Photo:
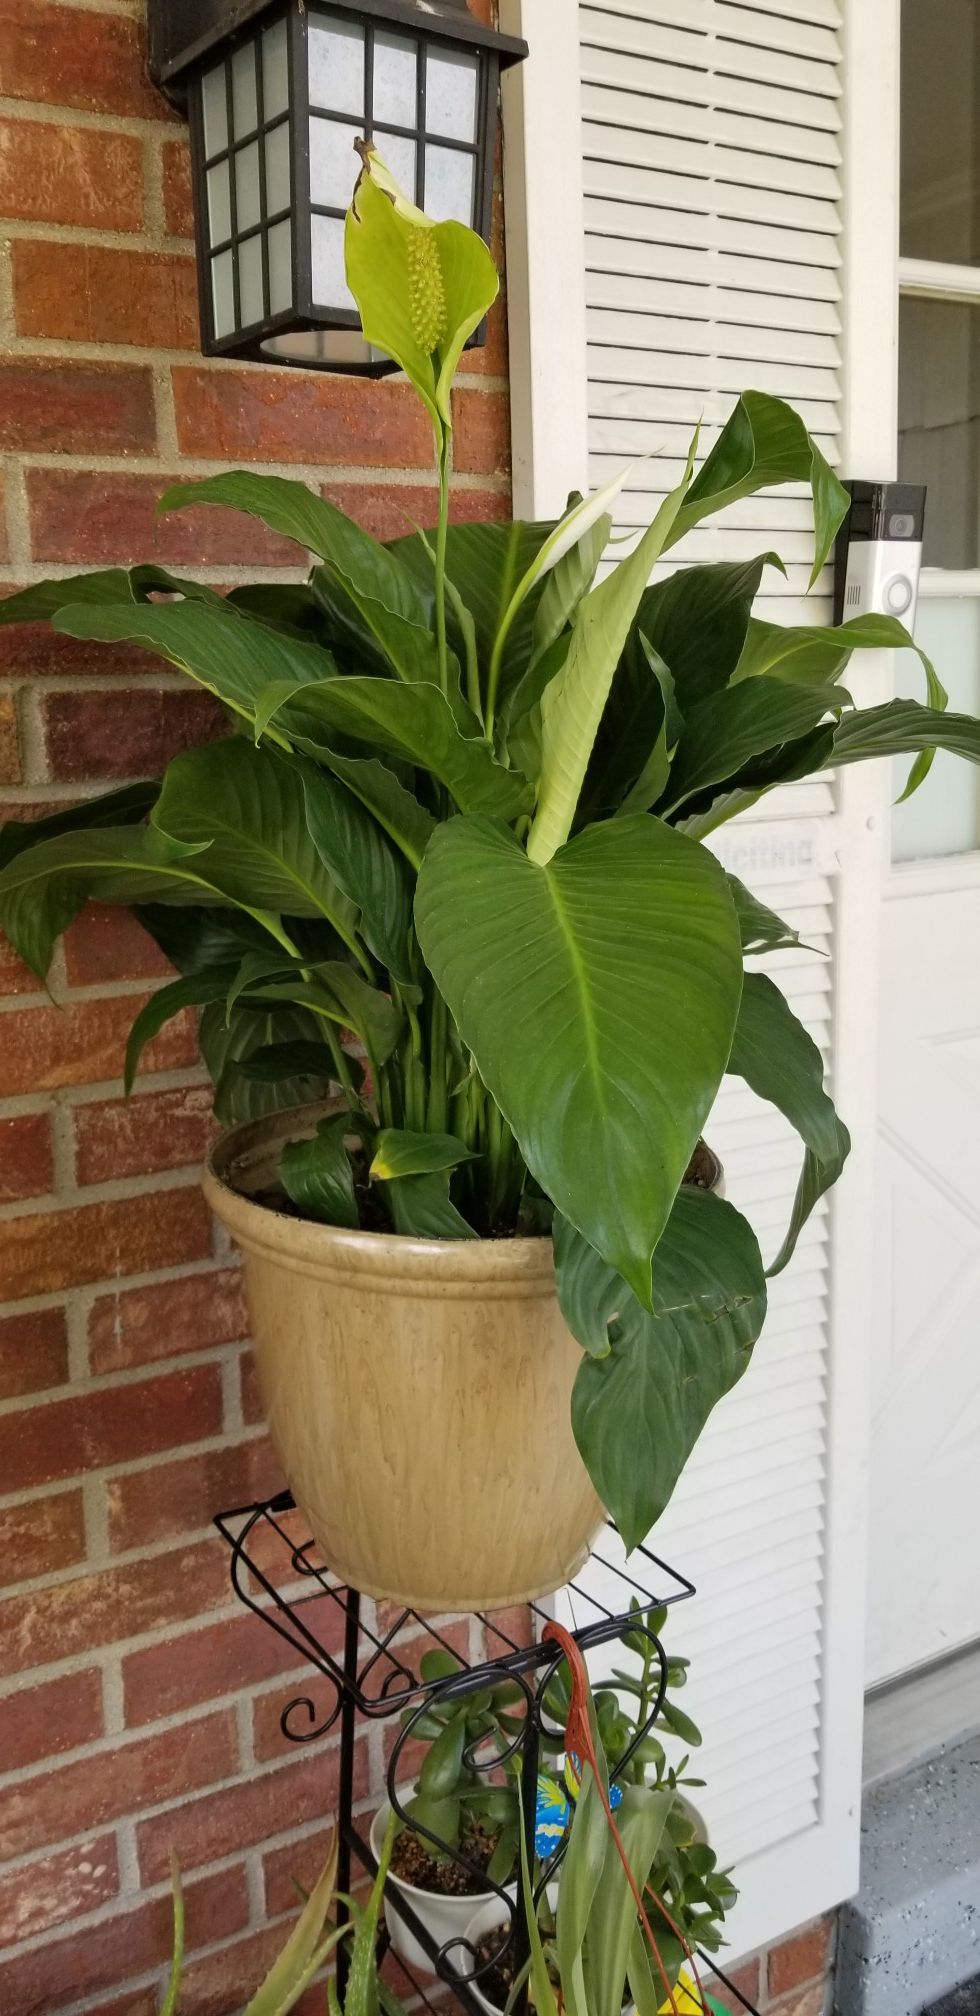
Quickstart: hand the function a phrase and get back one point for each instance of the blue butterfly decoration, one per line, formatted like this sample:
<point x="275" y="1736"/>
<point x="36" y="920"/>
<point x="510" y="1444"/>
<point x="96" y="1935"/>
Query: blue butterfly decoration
<point x="555" y="1807"/>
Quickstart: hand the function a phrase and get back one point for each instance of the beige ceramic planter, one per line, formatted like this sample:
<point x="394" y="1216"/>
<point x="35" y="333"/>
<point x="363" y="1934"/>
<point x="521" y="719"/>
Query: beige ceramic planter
<point x="418" y="1395"/>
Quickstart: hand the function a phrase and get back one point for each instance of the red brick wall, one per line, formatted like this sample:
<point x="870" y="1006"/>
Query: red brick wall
<point x="138" y="1705"/>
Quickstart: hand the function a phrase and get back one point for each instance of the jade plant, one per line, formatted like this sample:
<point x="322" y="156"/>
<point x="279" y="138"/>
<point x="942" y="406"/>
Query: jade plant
<point x="467" y="1796"/>
<point x="448" y="870"/>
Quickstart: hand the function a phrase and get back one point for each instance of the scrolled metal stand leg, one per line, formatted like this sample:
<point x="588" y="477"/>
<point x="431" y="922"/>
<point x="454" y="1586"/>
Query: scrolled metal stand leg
<point x="348" y="1735"/>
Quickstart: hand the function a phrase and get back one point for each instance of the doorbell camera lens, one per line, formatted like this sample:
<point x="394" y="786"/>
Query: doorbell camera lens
<point x="901" y="525"/>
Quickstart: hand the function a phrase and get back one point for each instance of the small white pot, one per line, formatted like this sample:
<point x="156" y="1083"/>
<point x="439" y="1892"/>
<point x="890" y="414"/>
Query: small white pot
<point x="488" y="1917"/>
<point x="444" y="1918"/>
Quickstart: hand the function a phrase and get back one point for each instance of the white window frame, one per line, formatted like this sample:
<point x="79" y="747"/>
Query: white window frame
<point x="794" y="1880"/>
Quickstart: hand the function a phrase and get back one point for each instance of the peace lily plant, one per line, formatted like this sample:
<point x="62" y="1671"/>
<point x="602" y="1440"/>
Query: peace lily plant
<point x="449" y="871"/>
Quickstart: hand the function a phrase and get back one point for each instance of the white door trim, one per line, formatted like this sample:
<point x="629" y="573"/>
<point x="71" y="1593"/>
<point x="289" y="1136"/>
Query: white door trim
<point x="544" y="219"/>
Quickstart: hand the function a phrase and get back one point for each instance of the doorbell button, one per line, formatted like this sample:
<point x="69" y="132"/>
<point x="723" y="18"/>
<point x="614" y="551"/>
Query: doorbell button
<point x="898" y="594"/>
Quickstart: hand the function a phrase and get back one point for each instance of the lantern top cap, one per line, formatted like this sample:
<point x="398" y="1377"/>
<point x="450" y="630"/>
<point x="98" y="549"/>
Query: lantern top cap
<point x="183" y="33"/>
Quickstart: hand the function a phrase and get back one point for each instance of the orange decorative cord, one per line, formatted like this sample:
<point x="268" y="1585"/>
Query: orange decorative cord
<point x="578" y="1737"/>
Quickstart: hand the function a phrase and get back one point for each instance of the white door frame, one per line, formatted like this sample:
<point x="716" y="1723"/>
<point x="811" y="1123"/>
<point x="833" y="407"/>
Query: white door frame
<point x="549" y="391"/>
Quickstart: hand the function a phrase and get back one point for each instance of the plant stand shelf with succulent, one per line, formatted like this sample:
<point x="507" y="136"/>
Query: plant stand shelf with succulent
<point x="495" y="1732"/>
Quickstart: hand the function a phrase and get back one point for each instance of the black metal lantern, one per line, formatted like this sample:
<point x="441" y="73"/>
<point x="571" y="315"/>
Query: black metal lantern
<point x="276" y="96"/>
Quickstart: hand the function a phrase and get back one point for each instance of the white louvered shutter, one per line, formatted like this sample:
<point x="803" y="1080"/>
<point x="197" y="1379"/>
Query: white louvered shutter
<point x="711" y="179"/>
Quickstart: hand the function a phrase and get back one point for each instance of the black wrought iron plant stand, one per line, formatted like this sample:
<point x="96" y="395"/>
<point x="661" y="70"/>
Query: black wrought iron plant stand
<point x="282" y="1579"/>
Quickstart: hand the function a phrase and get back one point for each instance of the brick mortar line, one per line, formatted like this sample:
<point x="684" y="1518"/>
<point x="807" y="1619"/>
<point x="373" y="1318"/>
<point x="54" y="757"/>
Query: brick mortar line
<point x="39" y="230"/>
<point x="178" y="1270"/>
<point x="111" y="1382"/>
<point x="115" y="1191"/>
<point x="181" y="1078"/>
<point x="192" y="467"/>
<point x="80" y="118"/>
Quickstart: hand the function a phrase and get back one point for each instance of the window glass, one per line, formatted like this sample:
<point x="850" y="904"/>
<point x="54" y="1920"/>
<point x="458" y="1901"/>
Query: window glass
<point x="940" y="186"/>
<point x="939" y="423"/>
<point x="943" y="816"/>
<point x="337" y="67"/>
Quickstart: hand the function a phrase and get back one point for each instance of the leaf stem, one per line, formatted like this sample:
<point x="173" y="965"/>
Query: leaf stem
<point x="444" y="454"/>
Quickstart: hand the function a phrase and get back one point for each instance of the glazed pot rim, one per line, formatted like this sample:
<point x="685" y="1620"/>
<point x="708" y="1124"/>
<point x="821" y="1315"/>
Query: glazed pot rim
<point x="246" y="1152"/>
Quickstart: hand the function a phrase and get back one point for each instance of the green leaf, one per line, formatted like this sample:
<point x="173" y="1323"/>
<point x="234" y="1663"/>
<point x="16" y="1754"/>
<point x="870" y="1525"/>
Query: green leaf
<point x="764" y="443"/>
<point x="304" y="1952"/>
<point x="654" y="776"/>
<point x="44" y="599"/>
<point x="484" y="564"/>
<point x="364" y="1988"/>
<point x="716" y="805"/>
<point x="582" y="1869"/>
<point x="225" y="652"/>
<point x="641" y="1820"/>
<point x="421" y="288"/>
<point x="360" y="862"/>
<point x="572" y="705"/>
<point x="194" y="991"/>
<point x="172" y="1996"/>
<point x="414" y="723"/>
<point x="379" y="598"/>
<point x="113" y="808"/>
<point x="727" y="732"/>
<point x="317" y="1174"/>
<point x="775" y="1055"/>
<point x="228" y="1047"/>
<point x="421" y="1208"/>
<point x="901" y="727"/>
<point x="598" y="994"/>
<point x="444" y="1761"/>
<point x="697" y="620"/>
<point x="249" y="808"/>
<point x="400" y="1153"/>
<point x="399" y="814"/>
<point x="337" y="993"/>
<point x="43" y="888"/>
<point x="312" y="1061"/>
<point x="572" y="578"/>
<point x="638" y="1411"/>
<point x="760" y="928"/>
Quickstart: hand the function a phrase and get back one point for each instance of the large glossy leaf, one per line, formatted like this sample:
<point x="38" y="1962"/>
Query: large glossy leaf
<point x="731" y="729"/>
<point x="638" y="1410"/>
<point x="248" y="808"/>
<point x="399" y="1152"/>
<point x="317" y="1174"/>
<point x="113" y="808"/>
<point x="761" y="929"/>
<point x="641" y="1820"/>
<point x="415" y="723"/>
<point x="193" y="990"/>
<point x="485" y="564"/>
<point x="816" y="654"/>
<point x="421" y="1208"/>
<point x="697" y="620"/>
<point x="714" y="806"/>
<point x="764" y="443"/>
<point x="380" y="599"/>
<point x="598" y="994"/>
<point x="43" y="889"/>
<point x="421" y="288"/>
<point x="336" y="993"/>
<point x="405" y="821"/>
<point x="223" y="651"/>
<point x="361" y="863"/>
<point x="43" y="599"/>
<point x="776" y="1056"/>
<point x="900" y="728"/>
<point x="228" y="1046"/>
<point x="572" y="705"/>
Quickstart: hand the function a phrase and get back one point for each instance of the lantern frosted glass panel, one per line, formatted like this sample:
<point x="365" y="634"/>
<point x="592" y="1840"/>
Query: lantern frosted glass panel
<point x="451" y="94"/>
<point x="336" y="61"/>
<point x="334" y="166"/>
<point x="395" y="96"/>
<point x="248" y="187"/>
<point x="215" y="102"/>
<point x="449" y="184"/>
<point x="244" y="92"/>
<point x="275" y="71"/>
<point x="330" y="289"/>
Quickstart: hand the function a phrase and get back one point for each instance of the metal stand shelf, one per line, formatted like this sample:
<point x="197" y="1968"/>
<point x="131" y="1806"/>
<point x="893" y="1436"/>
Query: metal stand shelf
<point x="360" y="1653"/>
